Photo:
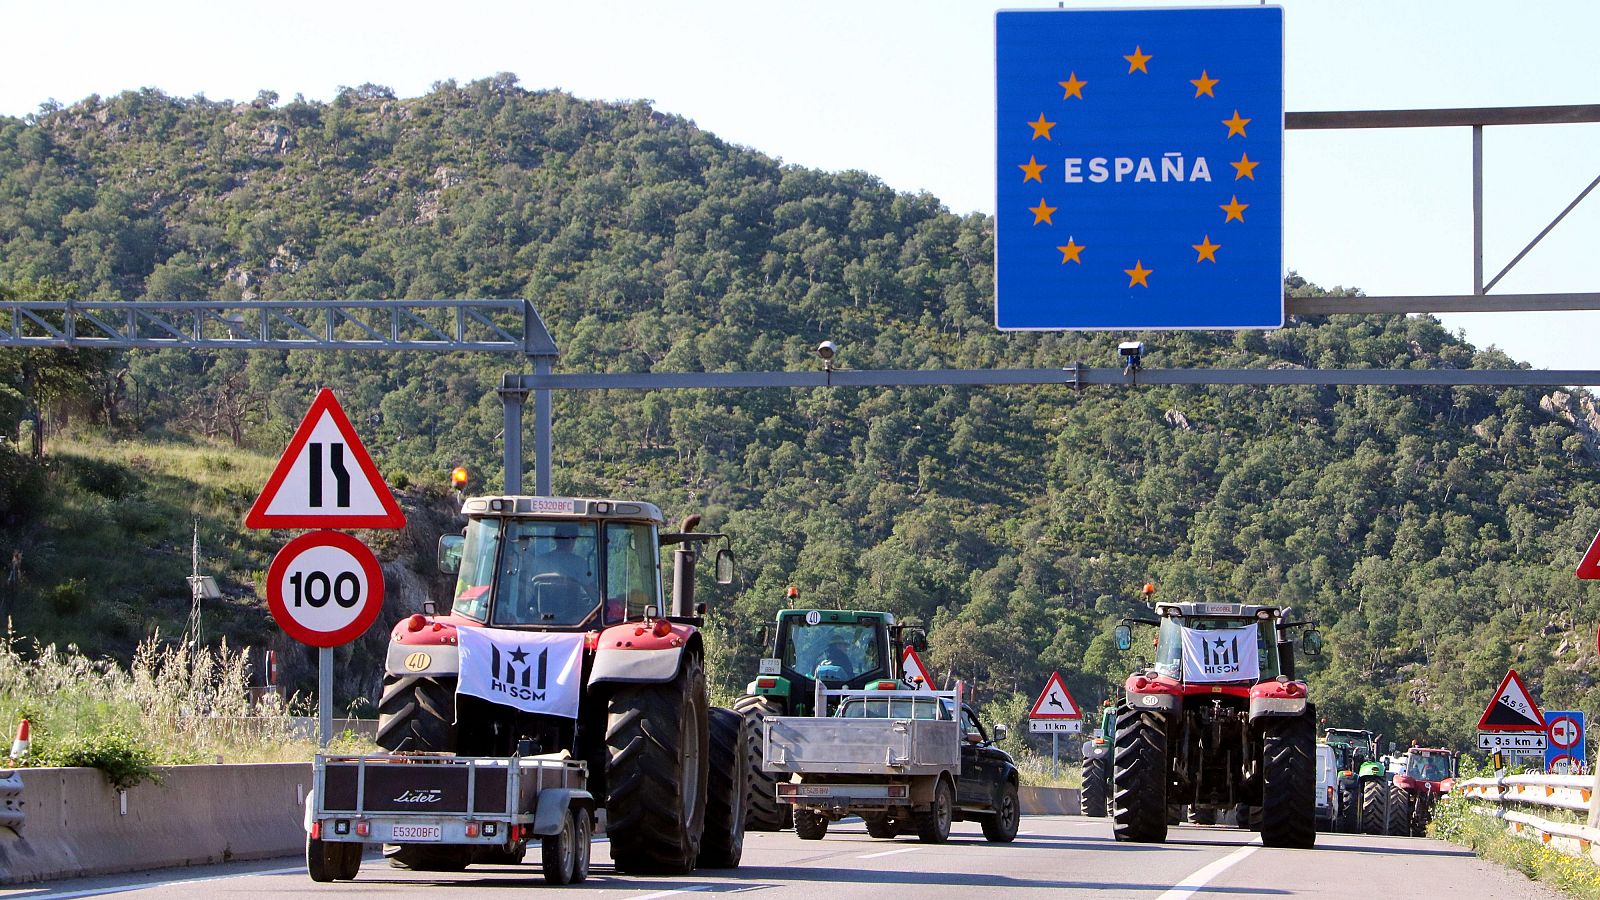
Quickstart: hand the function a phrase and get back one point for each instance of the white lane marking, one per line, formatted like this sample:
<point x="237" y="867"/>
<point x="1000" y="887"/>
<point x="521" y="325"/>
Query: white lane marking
<point x="1187" y="887"/>
<point x="124" y="888"/>
<point x="682" y="890"/>
<point x="890" y="852"/>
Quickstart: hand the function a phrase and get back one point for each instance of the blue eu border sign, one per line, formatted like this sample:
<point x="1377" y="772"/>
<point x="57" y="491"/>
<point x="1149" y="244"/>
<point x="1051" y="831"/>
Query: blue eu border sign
<point x="1139" y="169"/>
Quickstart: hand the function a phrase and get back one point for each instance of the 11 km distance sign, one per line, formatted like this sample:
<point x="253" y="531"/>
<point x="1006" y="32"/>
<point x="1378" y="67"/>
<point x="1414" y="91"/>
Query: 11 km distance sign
<point x="324" y="588"/>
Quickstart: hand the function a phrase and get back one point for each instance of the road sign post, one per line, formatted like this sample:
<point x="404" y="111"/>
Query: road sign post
<point x="1139" y="169"/>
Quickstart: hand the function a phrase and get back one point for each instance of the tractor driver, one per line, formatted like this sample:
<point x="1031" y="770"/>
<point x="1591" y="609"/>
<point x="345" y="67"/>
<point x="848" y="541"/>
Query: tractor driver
<point x="560" y="589"/>
<point x="839" y="656"/>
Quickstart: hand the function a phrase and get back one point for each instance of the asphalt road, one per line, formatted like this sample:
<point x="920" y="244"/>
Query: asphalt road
<point x="1059" y="854"/>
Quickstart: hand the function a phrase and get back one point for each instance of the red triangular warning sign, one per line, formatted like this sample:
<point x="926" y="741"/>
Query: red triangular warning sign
<point x="1512" y="708"/>
<point x="914" y="673"/>
<point x="1055" y="702"/>
<point x="1590" y="566"/>
<point x="325" y="479"/>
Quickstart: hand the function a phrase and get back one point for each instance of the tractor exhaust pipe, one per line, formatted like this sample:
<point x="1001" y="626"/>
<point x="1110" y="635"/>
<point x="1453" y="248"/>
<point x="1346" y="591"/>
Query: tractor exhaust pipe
<point x="683" y="562"/>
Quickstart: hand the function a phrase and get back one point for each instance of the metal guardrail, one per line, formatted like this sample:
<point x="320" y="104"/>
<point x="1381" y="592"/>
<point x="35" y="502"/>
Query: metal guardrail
<point x="1573" y="793"/>
<point x="11" y="803"/>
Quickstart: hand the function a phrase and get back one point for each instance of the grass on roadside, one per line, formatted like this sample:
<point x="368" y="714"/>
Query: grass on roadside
<point x="1454" y="821"/>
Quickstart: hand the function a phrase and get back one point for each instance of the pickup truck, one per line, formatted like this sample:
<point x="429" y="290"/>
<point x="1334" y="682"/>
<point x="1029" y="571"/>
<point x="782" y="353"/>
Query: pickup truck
<point x="901" y="760"/>
<point x="442" y="812"/>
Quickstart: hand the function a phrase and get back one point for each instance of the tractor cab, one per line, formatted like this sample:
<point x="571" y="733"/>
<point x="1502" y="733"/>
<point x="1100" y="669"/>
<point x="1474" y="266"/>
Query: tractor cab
<point x="845" y="650"/>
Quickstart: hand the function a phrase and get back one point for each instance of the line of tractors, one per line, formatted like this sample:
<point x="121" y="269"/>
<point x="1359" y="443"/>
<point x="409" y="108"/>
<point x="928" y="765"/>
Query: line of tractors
<point x="1219" y="726"/>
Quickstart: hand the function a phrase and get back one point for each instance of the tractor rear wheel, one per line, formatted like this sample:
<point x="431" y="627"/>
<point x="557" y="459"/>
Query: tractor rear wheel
<point x="728" y="797"/>
<point x="656" y="772"/>
<point x="1374" y="802"/>
<point x="417" y="713"/>
<point x="1288" y="789"/>
<point x="766" y="813"/>
<point x="1092" y="797"/>
<point x="1140" y="777"/>
<point x="1399" y="811"/>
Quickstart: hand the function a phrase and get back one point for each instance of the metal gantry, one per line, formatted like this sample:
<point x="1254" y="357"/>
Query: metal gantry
<point x="514" y="326"/>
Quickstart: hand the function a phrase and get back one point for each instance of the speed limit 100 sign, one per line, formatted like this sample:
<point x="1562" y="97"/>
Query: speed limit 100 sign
<point x="325" y="588"/>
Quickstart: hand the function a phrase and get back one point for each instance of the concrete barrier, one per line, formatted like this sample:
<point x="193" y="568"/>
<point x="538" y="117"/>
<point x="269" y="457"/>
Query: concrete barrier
<point x="1048" y="801"/>
<point x="76" y="824"/>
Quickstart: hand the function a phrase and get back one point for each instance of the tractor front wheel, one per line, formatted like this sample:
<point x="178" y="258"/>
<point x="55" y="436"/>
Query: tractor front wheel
<point x="1399" y="811"/>
<point x="1140" y="777"/>
<point x="766" y="813"/>
<point x="1288" y="792"/>
<point x="657" y="772"/>
<point x="418" y="714"/>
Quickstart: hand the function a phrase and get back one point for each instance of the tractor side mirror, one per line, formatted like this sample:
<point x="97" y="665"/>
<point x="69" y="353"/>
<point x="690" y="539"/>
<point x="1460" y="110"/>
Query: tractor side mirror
<point x="450" y="553"/>
<point x="724" y="566"/>
<point x="1000" y="732"/>
<point x="1124" y="636"/>
<point x="1311" y="642"/>
<point x="917" y="640"/>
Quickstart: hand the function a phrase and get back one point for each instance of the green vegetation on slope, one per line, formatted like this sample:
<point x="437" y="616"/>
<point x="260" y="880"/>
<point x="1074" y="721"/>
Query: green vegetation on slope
<point x="1433" y="532"/>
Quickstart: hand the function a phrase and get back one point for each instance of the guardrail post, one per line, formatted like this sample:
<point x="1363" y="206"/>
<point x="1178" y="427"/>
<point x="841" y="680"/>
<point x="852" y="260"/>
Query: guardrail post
<point x="11" y="803"/>
<point x="1594" y="800"/>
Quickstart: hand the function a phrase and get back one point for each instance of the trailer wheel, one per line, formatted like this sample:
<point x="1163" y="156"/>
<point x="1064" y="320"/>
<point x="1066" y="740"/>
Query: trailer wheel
<point x="583" y="838"/>
<point x="728" y="797"/>
<point x="558" y="852"/>
<point x="810" y="826"/>
<point x="656" y="772"/>
<point x="352" y="860"/>
<point x="325" y="860"/>
<point x="766" y="813"/>
<point x="1140" y="777"/>
<point x="1288" y="790"/>
<point x="1092" y="798"/>
<point x="417" y="713"/>
<point x="1001" y="827"/>
<point x="933" y="824"/>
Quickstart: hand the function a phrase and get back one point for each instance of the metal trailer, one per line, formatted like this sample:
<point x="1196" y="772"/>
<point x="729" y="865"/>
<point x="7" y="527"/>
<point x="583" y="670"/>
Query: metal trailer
<point x="889" y="766"/>
<point x="496" y="805"/>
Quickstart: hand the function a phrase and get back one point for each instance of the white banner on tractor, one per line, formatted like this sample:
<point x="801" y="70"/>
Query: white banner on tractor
<point x="1223" y="654"/>
<point x="537" y="672"/>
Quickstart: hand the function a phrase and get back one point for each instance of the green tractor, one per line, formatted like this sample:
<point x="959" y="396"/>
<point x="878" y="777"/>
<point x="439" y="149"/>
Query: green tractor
<point x="845" y="650"/>
<point x="1363" y="792"/>
<point x="1096" y="795"/>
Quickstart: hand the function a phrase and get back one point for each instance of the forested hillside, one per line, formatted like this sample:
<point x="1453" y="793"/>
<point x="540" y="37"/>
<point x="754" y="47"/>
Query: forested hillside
<point x="1433" y="532"/>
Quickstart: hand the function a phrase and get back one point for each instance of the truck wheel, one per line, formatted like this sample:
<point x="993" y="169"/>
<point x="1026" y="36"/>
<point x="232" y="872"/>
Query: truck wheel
<point x="1001" y="828"/>
<point x="728" y="795"/>
<point x="558" y="852"/>
<point x="1140" y="776"/>
<point x="933" y="824"/>
<point x="656" y="772"/>
<point x="424" y="858"/>
<point x="881" y="825"/>
<point x="417" y="713"/>
<point x="766" y="813"/>
<point x="1399" y="811"/>
<point x="1092" y="797"/>
<point x="810" y="826"/>
<point x="1374" y="800"/>
<point x="1288" y="790"/>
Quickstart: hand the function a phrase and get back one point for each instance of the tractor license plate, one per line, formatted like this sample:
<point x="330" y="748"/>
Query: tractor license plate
<point x="770" y="666"/>
<point x="418" y="833"/>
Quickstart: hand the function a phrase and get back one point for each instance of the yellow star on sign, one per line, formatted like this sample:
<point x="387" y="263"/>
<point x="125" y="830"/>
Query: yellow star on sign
<point x="1137" y="60"/>
<point x="1203" y="84"/>
<point x="1041" y="213"/>
<point x="1244" y="168"/>
<point x="1234" y="209"/>
<point x="1138" y="274"/>
<point x="1070" y="252"/>
<point x="1207" y="249"/>
<point x="1073" y="85"/>
<point x="1041" y="128"/>
<point x="1236" y="125"/>
<point x="1031" y="171"/>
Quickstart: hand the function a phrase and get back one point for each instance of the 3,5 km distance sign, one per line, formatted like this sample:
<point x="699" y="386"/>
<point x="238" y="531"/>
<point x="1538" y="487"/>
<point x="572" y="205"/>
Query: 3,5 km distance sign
<point x="324" y="588"/>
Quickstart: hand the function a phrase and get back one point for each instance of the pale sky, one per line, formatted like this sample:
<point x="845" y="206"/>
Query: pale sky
<point x="905" y="91"/>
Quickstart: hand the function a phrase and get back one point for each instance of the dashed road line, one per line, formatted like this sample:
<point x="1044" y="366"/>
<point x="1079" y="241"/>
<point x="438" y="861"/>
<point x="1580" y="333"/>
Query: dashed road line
<point x="890" y="852"/>
<point x="1202" y="876"/>
<point x="683" y="890"/>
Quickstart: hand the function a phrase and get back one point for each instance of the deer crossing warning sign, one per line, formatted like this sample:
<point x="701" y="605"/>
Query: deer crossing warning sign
<point x="1055" y="710"/>
<point x="325" y="478"/>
